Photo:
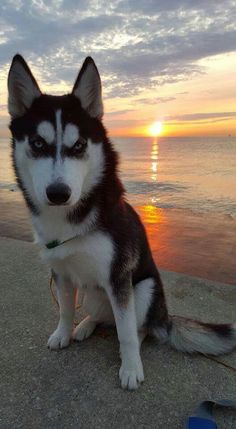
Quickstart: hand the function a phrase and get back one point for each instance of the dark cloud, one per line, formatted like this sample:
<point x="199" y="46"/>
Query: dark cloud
<point x="192" y="118"/>
<point x="158" y="100"/>
<point x="202" y="116"/>
<point x="118" y="112"/>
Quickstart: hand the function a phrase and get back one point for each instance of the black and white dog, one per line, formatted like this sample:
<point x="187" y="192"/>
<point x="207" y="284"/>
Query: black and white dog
<point x="92" y="239"/>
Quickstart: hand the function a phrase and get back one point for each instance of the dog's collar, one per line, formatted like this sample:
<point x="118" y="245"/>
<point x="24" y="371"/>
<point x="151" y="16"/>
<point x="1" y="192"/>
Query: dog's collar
<point x="52" y="244"/>
<point x="55" y="243"/>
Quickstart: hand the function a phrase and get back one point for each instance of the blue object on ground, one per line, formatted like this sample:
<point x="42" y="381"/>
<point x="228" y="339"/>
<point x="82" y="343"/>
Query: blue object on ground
<point x="203" y="414"/>
<point x="200" y="423"/>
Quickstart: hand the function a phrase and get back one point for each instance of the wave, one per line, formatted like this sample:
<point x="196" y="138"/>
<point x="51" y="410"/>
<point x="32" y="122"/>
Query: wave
<point x="9" y="186"/>
<point x="136" y="187"/>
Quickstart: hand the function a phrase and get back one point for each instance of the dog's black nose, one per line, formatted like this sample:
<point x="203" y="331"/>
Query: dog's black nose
<point x="58" y="193"/>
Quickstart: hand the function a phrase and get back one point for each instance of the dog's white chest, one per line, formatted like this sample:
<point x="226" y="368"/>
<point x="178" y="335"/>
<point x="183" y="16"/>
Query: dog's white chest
<point x="86" y="260"/>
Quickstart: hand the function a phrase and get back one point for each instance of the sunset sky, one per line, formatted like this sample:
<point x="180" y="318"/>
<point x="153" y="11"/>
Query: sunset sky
<point x="160" y="60"/>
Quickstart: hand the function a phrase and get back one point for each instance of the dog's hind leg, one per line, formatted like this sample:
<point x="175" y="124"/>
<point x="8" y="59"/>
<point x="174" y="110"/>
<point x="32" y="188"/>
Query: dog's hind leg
<point x="66" y="294"/>
<point x="143" y="292"/>
<point x="97" y="306"/>
<point x="157" y="320"/>
<point x="84" y="329"/>
<point x="151" y="311"/>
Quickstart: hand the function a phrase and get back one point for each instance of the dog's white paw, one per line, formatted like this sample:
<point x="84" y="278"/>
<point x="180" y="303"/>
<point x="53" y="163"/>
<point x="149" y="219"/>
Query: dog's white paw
<point x="84" y="329"/>
<point x="59" y="339"/>
<point x="131" y="375"/>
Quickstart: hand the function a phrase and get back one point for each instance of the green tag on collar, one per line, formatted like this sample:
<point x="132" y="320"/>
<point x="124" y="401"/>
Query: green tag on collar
<point x="52" y="244"/>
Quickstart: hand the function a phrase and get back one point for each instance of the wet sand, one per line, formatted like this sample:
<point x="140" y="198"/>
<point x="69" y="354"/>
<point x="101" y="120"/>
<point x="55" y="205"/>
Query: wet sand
<point x="202" y="245"/>
<point x="14" y="216"/>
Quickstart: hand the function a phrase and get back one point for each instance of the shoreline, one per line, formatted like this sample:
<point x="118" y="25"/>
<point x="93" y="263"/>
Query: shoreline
<point x="197" y="244"/>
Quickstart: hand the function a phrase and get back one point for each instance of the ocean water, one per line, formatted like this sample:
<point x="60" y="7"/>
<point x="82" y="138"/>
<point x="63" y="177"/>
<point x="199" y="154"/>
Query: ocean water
<point x="197" y="174"/>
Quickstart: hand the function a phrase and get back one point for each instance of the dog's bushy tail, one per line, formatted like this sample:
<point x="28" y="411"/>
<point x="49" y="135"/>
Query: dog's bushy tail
<point x="191" y="336"/>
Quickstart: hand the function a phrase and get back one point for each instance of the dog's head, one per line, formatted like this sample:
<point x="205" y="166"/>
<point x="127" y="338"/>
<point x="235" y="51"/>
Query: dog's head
<point x="58" y="148"/>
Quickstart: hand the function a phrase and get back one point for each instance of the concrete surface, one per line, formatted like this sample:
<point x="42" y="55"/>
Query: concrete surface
<point x="78" y="387"/>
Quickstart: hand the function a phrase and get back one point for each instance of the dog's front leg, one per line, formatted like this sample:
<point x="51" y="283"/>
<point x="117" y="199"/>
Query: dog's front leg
<point x="66" y="294"/>
<point x="131" y="371"/>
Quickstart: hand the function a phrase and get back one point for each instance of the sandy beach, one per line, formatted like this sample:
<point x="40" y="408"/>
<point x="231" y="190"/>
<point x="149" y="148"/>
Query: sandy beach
<point x="202" y="245"/>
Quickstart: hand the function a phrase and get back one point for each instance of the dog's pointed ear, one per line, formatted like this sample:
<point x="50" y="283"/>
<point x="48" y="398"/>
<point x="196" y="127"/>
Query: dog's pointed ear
<point x="88" y="89"/>
<point x="22" y="87"/>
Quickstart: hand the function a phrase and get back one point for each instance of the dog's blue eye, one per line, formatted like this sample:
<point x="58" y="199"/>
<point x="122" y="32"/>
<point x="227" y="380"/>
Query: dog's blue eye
<point x="37" y="143"/>
<point x="80" y="145"/>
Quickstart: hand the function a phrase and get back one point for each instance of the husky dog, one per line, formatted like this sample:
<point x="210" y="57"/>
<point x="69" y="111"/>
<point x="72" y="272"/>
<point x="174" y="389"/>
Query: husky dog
<point x="92" y="239"/>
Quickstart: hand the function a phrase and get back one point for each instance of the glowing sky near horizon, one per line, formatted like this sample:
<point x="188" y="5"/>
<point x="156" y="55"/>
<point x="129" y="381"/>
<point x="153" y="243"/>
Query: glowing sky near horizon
<point x="171" y="62"/>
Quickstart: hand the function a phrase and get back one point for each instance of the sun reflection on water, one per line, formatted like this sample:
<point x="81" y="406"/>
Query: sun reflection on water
<point x="154" y="158"/>
<point x="156" y="226"/>
<point x="151" y="214"/>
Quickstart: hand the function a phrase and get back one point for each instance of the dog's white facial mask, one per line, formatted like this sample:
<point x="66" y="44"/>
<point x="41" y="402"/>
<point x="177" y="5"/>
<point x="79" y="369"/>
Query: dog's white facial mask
<point x="56" y="163"/>
<point x="80" y="174"/>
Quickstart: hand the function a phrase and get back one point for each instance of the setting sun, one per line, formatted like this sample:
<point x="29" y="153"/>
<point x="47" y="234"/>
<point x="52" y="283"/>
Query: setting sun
<point x="155" y="129"/>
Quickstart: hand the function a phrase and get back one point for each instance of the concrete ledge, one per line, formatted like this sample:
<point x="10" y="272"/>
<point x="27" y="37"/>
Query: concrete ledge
<point x="78" y="387"/>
